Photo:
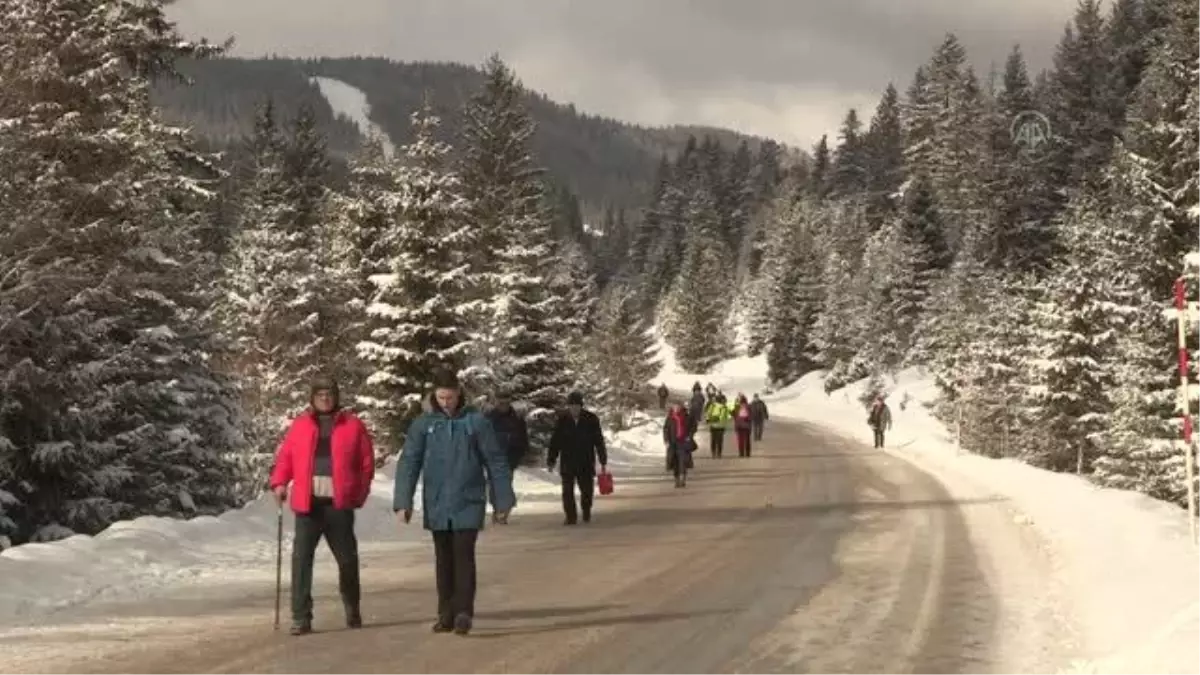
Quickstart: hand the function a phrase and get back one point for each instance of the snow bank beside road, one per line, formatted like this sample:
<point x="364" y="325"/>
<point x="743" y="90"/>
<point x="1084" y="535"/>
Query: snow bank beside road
<point x="1128" y="561"/>
<point x="148" y="556"/>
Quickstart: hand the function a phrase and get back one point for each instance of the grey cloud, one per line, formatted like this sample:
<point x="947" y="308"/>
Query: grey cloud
<point x="783" y="68"/>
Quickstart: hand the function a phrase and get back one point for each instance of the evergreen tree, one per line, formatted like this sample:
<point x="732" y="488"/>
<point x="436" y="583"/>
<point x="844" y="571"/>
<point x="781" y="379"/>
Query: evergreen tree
<point x="111" y="407"/>
<point x="624" y="350"/>
<point x="273" y="288"/>
<point x="884" y="150"/>
<point x="849" y="167"/>
<point x="516" y="340"/>
<point x="820" y="175"/>
<point x="698" y="333"/>
<point x="1025" y="202"/>
<point x="415" y="319"/>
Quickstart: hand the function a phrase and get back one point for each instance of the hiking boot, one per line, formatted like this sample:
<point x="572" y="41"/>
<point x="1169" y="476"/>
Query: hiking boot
<point x="462" y="624"/>
<point x="569" y="521"/>
<point x="354" y="619"/>
<point x="301" y="627"/>
<point x="587" y="516"/>
<point x="443" y="626"/>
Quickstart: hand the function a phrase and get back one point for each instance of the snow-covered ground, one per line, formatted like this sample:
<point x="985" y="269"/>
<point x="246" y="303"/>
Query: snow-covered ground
<point x="149" y="557"/>
<point x="351" y="102"/>
<point x="1126" y="561"/>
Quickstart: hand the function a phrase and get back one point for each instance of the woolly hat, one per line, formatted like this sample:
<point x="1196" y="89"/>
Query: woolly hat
<point x="325" y="383"/>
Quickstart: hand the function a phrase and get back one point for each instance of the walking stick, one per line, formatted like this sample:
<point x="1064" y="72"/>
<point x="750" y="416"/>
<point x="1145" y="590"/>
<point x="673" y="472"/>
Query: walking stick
<point x="278" y="562"/>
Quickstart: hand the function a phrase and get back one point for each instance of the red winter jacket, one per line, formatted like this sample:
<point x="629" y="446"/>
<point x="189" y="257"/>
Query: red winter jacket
<point x="353" y="458"/>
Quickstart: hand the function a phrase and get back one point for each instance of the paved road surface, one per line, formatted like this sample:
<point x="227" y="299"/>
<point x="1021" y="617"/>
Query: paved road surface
<point x="818" y="554"/>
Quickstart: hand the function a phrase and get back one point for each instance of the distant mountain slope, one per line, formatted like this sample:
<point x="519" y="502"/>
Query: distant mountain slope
<point x="603" y="161"/>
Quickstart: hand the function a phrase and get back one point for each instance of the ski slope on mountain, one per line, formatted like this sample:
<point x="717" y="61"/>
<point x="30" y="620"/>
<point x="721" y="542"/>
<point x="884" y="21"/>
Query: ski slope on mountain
<point x="1127" y="566"/>
<point x="351" y="102"/>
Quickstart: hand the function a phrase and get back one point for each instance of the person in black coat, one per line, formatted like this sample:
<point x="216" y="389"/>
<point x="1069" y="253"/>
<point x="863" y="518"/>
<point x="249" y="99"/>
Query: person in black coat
<point x="579" y="441"/>
<point x="510" y="429"/>
<point x="758" y="416"/>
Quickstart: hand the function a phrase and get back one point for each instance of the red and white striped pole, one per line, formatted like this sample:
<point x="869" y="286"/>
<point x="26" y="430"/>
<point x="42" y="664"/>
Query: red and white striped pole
<point x="1182" y="318"/>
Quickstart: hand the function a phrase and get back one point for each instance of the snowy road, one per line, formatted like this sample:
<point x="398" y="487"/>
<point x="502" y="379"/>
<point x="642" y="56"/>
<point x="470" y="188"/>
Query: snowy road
<point x="816" y="555"/>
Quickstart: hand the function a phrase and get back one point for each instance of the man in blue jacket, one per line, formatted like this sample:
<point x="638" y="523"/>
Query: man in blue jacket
<point x="452" y="444"/>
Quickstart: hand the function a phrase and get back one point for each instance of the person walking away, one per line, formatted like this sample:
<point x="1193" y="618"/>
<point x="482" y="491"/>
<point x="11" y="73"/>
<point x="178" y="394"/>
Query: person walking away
<point x="451" y="445"/>
<point x="758" y="416"/>
<point x="742" y="423"/>
<point x="511" y="431"/>
<point x="716" y="415"/>
<point x="711" y="390"/>
<point x="663" y="393"/>
<point x="326" y="462"/>
<point x="696" y="406"/>
<point x="579" y="441"/>
<point x="678" y="435"/>
<point x="880" y="420"/>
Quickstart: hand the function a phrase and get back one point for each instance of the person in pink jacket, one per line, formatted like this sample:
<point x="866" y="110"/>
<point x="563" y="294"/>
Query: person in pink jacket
<point x="325" y="463"/>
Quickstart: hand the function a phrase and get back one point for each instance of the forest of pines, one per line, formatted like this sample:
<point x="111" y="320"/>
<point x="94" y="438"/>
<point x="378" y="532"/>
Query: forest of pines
<point x="161" y="311"/>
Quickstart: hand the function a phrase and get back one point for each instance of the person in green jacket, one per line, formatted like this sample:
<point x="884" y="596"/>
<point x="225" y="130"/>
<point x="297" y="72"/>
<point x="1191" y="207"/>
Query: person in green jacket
<point x="716" y="415"/>
<point x="452" y="444"/>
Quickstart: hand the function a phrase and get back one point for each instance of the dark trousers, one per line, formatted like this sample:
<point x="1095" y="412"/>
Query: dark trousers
<point x="758" y="430"/>
<point x="716" y="441"/>
<point x="337" y="526"/>
<point x="454" y="555"/>
<point x="587" y="486"/>
<point x="878" y="437"/>
<point x="743" y="442"/>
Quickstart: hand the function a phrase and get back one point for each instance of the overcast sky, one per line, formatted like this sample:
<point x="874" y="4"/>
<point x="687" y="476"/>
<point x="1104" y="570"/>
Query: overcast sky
<point x="788" y="69"/>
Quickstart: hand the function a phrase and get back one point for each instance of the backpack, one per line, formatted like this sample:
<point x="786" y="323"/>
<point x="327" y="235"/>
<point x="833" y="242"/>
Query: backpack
<point x="743" y="412"/>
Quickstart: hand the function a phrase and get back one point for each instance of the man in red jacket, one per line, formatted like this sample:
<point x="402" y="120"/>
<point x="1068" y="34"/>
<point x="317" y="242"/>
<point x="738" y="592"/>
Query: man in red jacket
<point x="328" y="459"/>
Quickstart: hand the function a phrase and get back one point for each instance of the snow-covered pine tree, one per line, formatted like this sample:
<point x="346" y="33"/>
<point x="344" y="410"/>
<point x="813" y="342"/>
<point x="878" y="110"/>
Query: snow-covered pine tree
<point x="1154" y="191"/>
<point x="415" y="319"/>
<point x="111" y="408"/>
<point x="884" y="150"/>
<point x="270" y="267"/>
<point x="516" y="341"/>
<point x="624" y="349"/>
<point x="791" y="295"/>
<point x="573" y="289"/>
<point x="849" y="168"/>
<point x="698" y="327"/>
<point x="1075" y="332"/>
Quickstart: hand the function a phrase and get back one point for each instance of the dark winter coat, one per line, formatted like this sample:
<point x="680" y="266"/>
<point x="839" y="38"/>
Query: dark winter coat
<point x="880" y="417"/>
<point x="679" y="431"/>
<point x="511" y="433"/>
<point x="758" y="411"/>
<point x="663" y="393"/>
<point x="451" y="450"/>
<point x="696" y="408"/>
<point x="579" y="443"/>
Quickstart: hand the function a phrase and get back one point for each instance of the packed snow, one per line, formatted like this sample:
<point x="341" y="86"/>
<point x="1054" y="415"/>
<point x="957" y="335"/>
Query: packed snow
<point x="148" y="557"/>
<point x="1127" y="560"/>
<point x="351" y="102"/>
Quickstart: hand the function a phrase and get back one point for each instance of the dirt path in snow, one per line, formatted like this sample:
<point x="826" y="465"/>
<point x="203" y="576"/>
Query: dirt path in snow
<point x="818" y="554"/>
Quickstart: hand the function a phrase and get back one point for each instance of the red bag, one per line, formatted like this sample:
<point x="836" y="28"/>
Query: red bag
<point x="605" y="482"/>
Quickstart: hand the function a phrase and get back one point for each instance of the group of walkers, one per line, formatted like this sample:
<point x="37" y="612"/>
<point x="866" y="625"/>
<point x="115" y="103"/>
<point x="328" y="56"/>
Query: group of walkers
<point x="464" y="458"/>
<point x="326" y="462"/>
<point x="747" y="416"/>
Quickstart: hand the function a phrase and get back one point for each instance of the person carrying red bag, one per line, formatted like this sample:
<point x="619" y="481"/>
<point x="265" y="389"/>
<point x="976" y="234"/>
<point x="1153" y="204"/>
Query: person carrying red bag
<point x="328" y="459"/>
<point x="678" y="433"/>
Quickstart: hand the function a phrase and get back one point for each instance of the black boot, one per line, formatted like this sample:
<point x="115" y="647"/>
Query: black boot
<point x="353" y="618"/>
<point x="301" y="627"/>
<point x="462" y="624"/>
<point x="443" y="626"/>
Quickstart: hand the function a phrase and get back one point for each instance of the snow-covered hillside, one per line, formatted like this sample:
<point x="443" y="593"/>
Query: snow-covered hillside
<point x="352" y="103"/>
<point x="1126" y="560"/>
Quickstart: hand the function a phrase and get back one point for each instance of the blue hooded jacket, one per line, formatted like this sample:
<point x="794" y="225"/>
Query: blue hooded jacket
<point x="453" y="451"/>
